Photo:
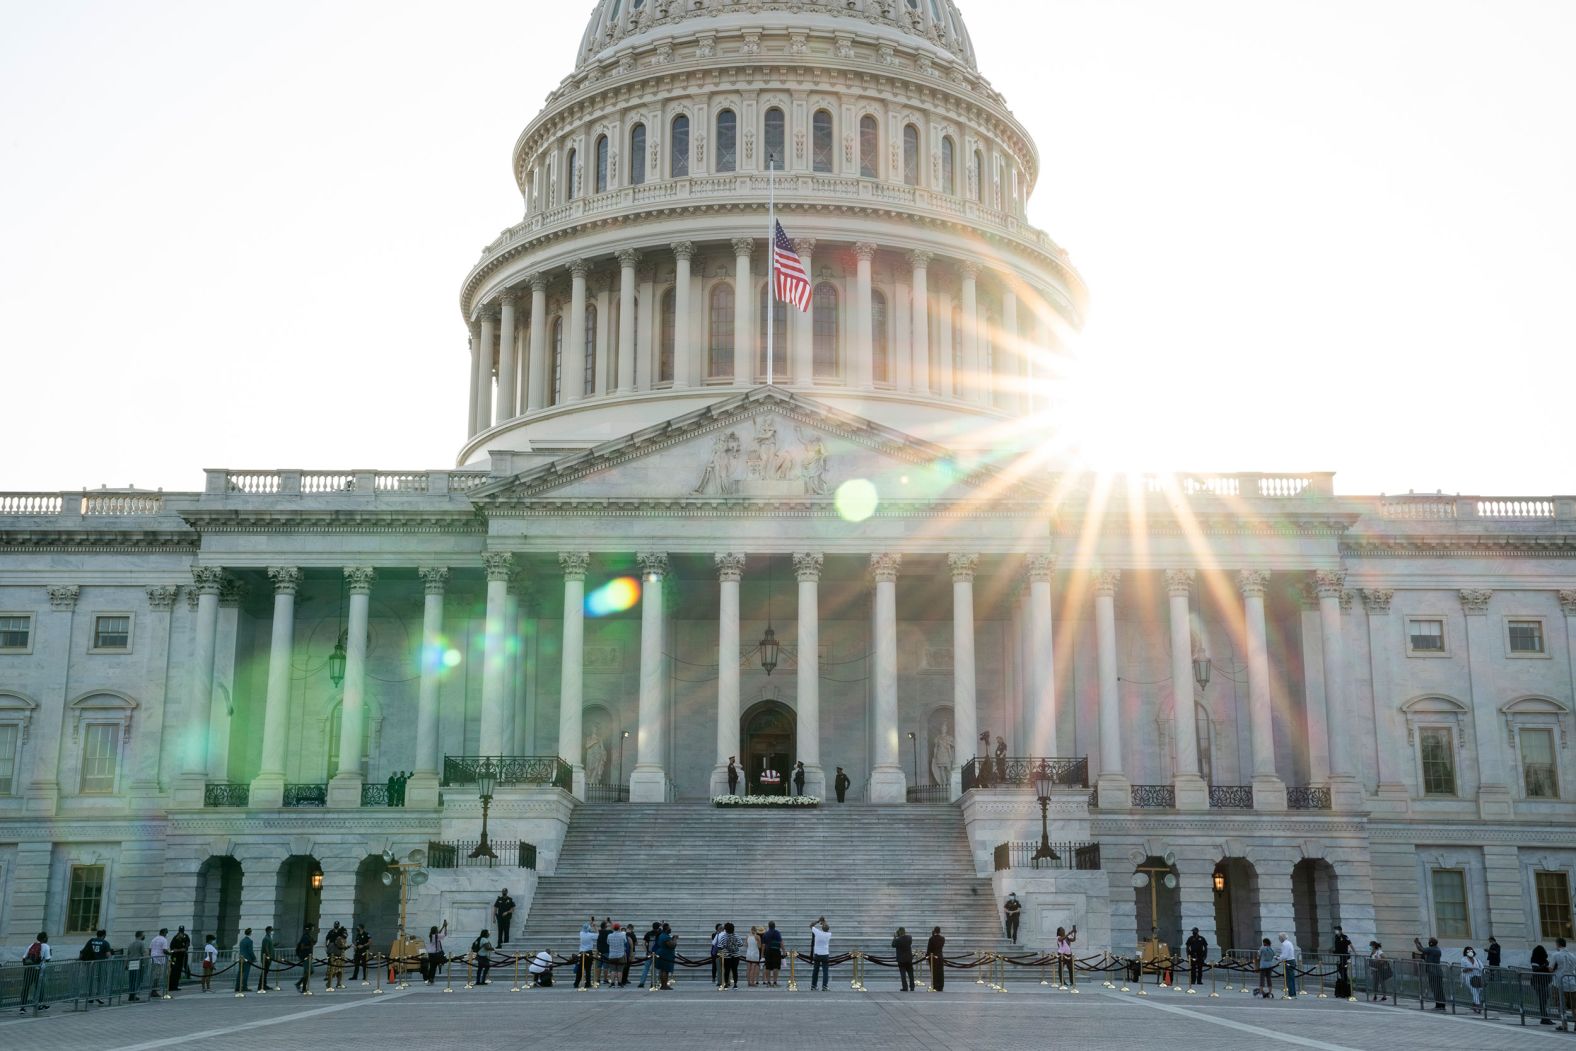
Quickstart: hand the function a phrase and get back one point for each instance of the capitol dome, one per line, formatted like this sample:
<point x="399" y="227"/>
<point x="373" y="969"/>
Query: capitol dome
<point x="634" y="289"/>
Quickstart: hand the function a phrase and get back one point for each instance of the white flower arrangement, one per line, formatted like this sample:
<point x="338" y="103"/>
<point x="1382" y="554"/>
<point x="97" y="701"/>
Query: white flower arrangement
<point x="766" y="801"/>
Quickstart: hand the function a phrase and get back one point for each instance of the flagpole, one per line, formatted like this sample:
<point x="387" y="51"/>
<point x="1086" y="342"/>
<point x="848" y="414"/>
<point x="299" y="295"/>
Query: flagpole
<point x="771" y="267"/>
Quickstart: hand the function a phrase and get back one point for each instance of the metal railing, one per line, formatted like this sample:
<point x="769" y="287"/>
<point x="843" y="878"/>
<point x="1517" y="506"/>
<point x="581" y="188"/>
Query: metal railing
<point x="1307" y="798"/>
<point x="306" y="795"/>
<point x="510" y="770"/>
<point x="929" y="793"/>
<point x="1231" y="797"/>
<point x="380" y="794"/>
<point x="607" y="793"/>
<point x="226" y="793"/>
<point x="1018" y="771"/>
<point x="456" y="854"/>
<point x="1020" y="854"/>
<point x="1160" y="797"/>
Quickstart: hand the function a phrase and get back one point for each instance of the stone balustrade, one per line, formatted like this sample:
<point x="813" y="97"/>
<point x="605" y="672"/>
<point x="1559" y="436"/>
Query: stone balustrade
<point x="1437" y="507"/>
<point x="224" y="482"/>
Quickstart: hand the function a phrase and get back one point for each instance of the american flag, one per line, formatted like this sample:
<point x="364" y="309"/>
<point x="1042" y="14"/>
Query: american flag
<point x="793" y="284"/>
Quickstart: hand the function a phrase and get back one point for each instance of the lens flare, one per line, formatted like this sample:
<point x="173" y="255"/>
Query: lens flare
<point x="856" y="499"/>
<point x="613" y="597"/>
<point x="452" y="657"/>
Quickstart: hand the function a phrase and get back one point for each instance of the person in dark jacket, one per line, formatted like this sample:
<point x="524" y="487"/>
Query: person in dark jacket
<point x="1001" y="760"/>
<point x="933" y="952"/>
<point x="667" y="953"/>
<point x="840" y="784"/>
<point x="1197" y="950"/>
<point x="1432" y="959"/>
<point x="733" y="775"/>
<point x="772" y="951"/>
<point x="1539" y="963"/>
<point x="1342" y="948"/>
<point x="903" y="949"/>
<point x="604" y="932"/>
<point x="798" y="779"/>
<point x="180" y="950"/>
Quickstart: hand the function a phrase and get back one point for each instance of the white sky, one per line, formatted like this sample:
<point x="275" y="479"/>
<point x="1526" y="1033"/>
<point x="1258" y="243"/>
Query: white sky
<point x="1319" y="235"/>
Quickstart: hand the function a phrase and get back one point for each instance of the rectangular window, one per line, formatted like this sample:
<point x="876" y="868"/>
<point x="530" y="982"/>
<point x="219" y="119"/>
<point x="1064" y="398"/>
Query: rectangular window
<point x="1554" y="904"/>
<point x="1450" y="904"/>
<point x="1526" y="636"/>
<point x="84" y="899"/>
<point x="16" y="632"/>
<point x="1425" y="635"/>
<point x="8" y="741"/>
<point x="112" y="632"/>
<point x="1537" y="764"/>
<point x="100" y="752"/>
<point x="1439" y="761"/>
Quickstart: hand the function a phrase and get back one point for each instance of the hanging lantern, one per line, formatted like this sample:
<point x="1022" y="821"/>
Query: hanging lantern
<point x="336" y="662"/>
<point x="1201" y="672"/>
<point x="769" y="647"/>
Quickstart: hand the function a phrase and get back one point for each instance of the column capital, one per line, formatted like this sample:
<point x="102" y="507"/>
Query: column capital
<point x="574" y="564"/>
<point x="498" y="565"/>
<point x="1329" y="583"/>
<point x="434" y="579"/>
<point x="162" y="596"/>
<point x="1251" y="582"/>
<point x="969" y="269"/>
<point x="1567" y="599"/>
<point x="360" y="579"/>
<point x="487" y="313"/>
<point x="1040" y="567"/>
<point x="230" y="592"/>
<point x="963" y="567"/>
<point x="508" y="296"/>
<point x="804" y="245"/>
<point x="744" y="246"/>
<point x="63" y="597"/>
<point x="206" y="579"/>
<point x="807" y="566"/>
<point x="578" y="268"/>
<point x="683" y="249"/>
<point x="885" y="565"/>
<point x="1474" y="601"/>
<point x="1179" y="581"/>
<point x="538" y="283"/>
<point x="652" y="564"/>
<point x="865" y="251"/>
<point x="1106" y="580"/>
<point x="919" y="260"/>
<point x="1377" y="600"/>
<point x="285" y="579"/>
<point x="628" y="258"/>
<point x="730" y="566"/>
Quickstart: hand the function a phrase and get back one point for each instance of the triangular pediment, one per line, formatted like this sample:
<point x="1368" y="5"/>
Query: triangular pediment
<point x="762" y="445"/>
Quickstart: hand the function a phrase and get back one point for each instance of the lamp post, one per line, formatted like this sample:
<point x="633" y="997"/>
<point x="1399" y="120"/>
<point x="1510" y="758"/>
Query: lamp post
<point x="914" y="741"/>
<point x="486" y="778"/>
<point x="410" y="873"/>
<point x="622" y="737"/>
<point x="1042" y="791"/>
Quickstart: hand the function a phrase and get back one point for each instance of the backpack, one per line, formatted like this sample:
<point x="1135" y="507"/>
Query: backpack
<point x="476" y="946"/>
<point x="35" y="954"/>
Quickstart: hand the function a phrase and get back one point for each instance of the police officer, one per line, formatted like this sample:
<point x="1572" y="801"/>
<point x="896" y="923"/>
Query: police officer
<point x="1197" y="949"/>
<point x="503" y="910"/>
<point x="180" y="947"/>
<point x="841" y="783"/>
<point x="268" y="957"/>
<point x="362" y="946"/>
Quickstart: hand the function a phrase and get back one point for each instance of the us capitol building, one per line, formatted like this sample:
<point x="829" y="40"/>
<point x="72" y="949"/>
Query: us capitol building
<point x="1271" y="706"/>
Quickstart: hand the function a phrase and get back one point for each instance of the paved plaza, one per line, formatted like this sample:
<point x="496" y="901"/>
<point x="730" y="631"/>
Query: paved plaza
<point x="696" y="1015"/>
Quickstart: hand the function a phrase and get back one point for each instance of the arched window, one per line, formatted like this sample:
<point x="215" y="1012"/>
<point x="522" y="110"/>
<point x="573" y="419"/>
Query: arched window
<point x="678" y="167"/>
<point x="588" y="388"/>
<point x="557" y="391"/>
<point x="821" y="149"/>
<point x="571" y="174"/>
<point x="637" y="155"/>
<point x="719" y="348"/>
<point x="665" y="343"/>
<point x="824" y="331"/>
<point x="910" y="155"/>
<point x="771" y="306"/>
<point x="979" y="176"/>
<point x="880" y="349"/>
<point x="601" y="164"/>
<point x="869" y="146"/>
<point x="775" y="134"/>
<point x="727" y="141"/>
<point x="949" y="179"/>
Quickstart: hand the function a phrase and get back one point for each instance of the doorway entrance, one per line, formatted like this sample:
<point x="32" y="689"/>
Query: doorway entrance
<point x="768" y="732"/>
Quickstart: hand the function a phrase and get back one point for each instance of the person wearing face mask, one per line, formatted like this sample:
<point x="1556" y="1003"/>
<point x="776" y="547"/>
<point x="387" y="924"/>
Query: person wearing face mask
<point x="1472" y="977"/>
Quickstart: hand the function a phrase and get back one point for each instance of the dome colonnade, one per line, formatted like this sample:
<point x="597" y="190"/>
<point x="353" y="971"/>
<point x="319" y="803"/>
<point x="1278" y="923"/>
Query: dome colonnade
<point x="638" y="273"/>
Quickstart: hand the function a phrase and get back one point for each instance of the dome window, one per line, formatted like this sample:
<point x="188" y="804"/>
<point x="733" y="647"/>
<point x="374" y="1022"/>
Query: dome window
<point x="910" y="155"/>
<point x="979" y="176"/>
<point x="824" y="329"/>
<point x="775" y="131"/>
<point x="679" y="165"/>
<point x="869" y="146"/>
<point x="571" y="174"/>
<point x="727" y="141"/>
<point x="556" y="394"/>
<point x="880" y="349"/>
<point x="777" y="310"/>
<point x="949" y="178"/>
<point x="821" y="140"/>
<point x="666" y="340"/>
<point x="637" y="155"/>
<point x="601" y="164"/>
<point x="719" y="359"/>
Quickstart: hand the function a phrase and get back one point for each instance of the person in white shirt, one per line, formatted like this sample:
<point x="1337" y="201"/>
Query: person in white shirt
<point x="210" y="963"/>
<point x="34" y="961"/>
<point x="820" y="954"/>
<point x="159" y="957"/>
<point x="1288" y="962"/>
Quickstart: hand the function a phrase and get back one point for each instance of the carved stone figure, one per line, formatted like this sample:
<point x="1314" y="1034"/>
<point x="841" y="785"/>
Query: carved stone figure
<point x="942" y="753"/>
<point x="774" y="465"/>
<point x="596" y="759"/>
<point x="813" y="467"/>
<point x="721" y="477"/>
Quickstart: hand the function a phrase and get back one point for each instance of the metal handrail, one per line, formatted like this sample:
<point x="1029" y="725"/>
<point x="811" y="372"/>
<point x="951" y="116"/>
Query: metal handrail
<point x="1018" y="771"/>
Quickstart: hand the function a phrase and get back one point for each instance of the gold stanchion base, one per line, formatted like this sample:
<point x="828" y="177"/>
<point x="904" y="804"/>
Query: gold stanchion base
<point x="1141" y="991"/>
<point x="240" y="996"/>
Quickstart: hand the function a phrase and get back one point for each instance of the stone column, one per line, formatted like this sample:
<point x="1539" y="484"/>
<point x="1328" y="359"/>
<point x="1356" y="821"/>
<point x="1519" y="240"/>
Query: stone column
<point x="1010" y="371"/>
<point x="649" y="781"/>
<point x="484" y="372"/>
<point x="1191" y="791"/>
<point x="344" y="791"/>
<point x="1042" y="677"/>
<point x="627" y="260"/>
<point x="685" y="361"/>
<point x="730" y="570"/>
<point x="508" y="336"/>
<point x="476" y="382"/>
<point x="571" y="681"/>
<point x="919" y="334"/>
<point x="965" y="716"/>
<point x="1494" y="799"/>
<point x="801" y="325"/>
<point x="1331" y="586"/>
<point x="511" y="666"/>
<point x="887" y="781"/>
<point x="1115" y="790"/>
<point x="495" y="737"/>
<point x="422" y="790"/>
<point x="1269" y="791"/>
<point x="807" y="567"/>
<point x="862" y="359"/>
<point x="268" y="788"/>
<point x="743" y="305"/>
<point x="144" y="781"/>
<point x="194" y="737"/>
<point x="943" y="375"/>
<point x="572" y="369"/>
<point x="969" y="384"/>
<point x="1392" y="755"/>
<point x="537" y="379"/>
